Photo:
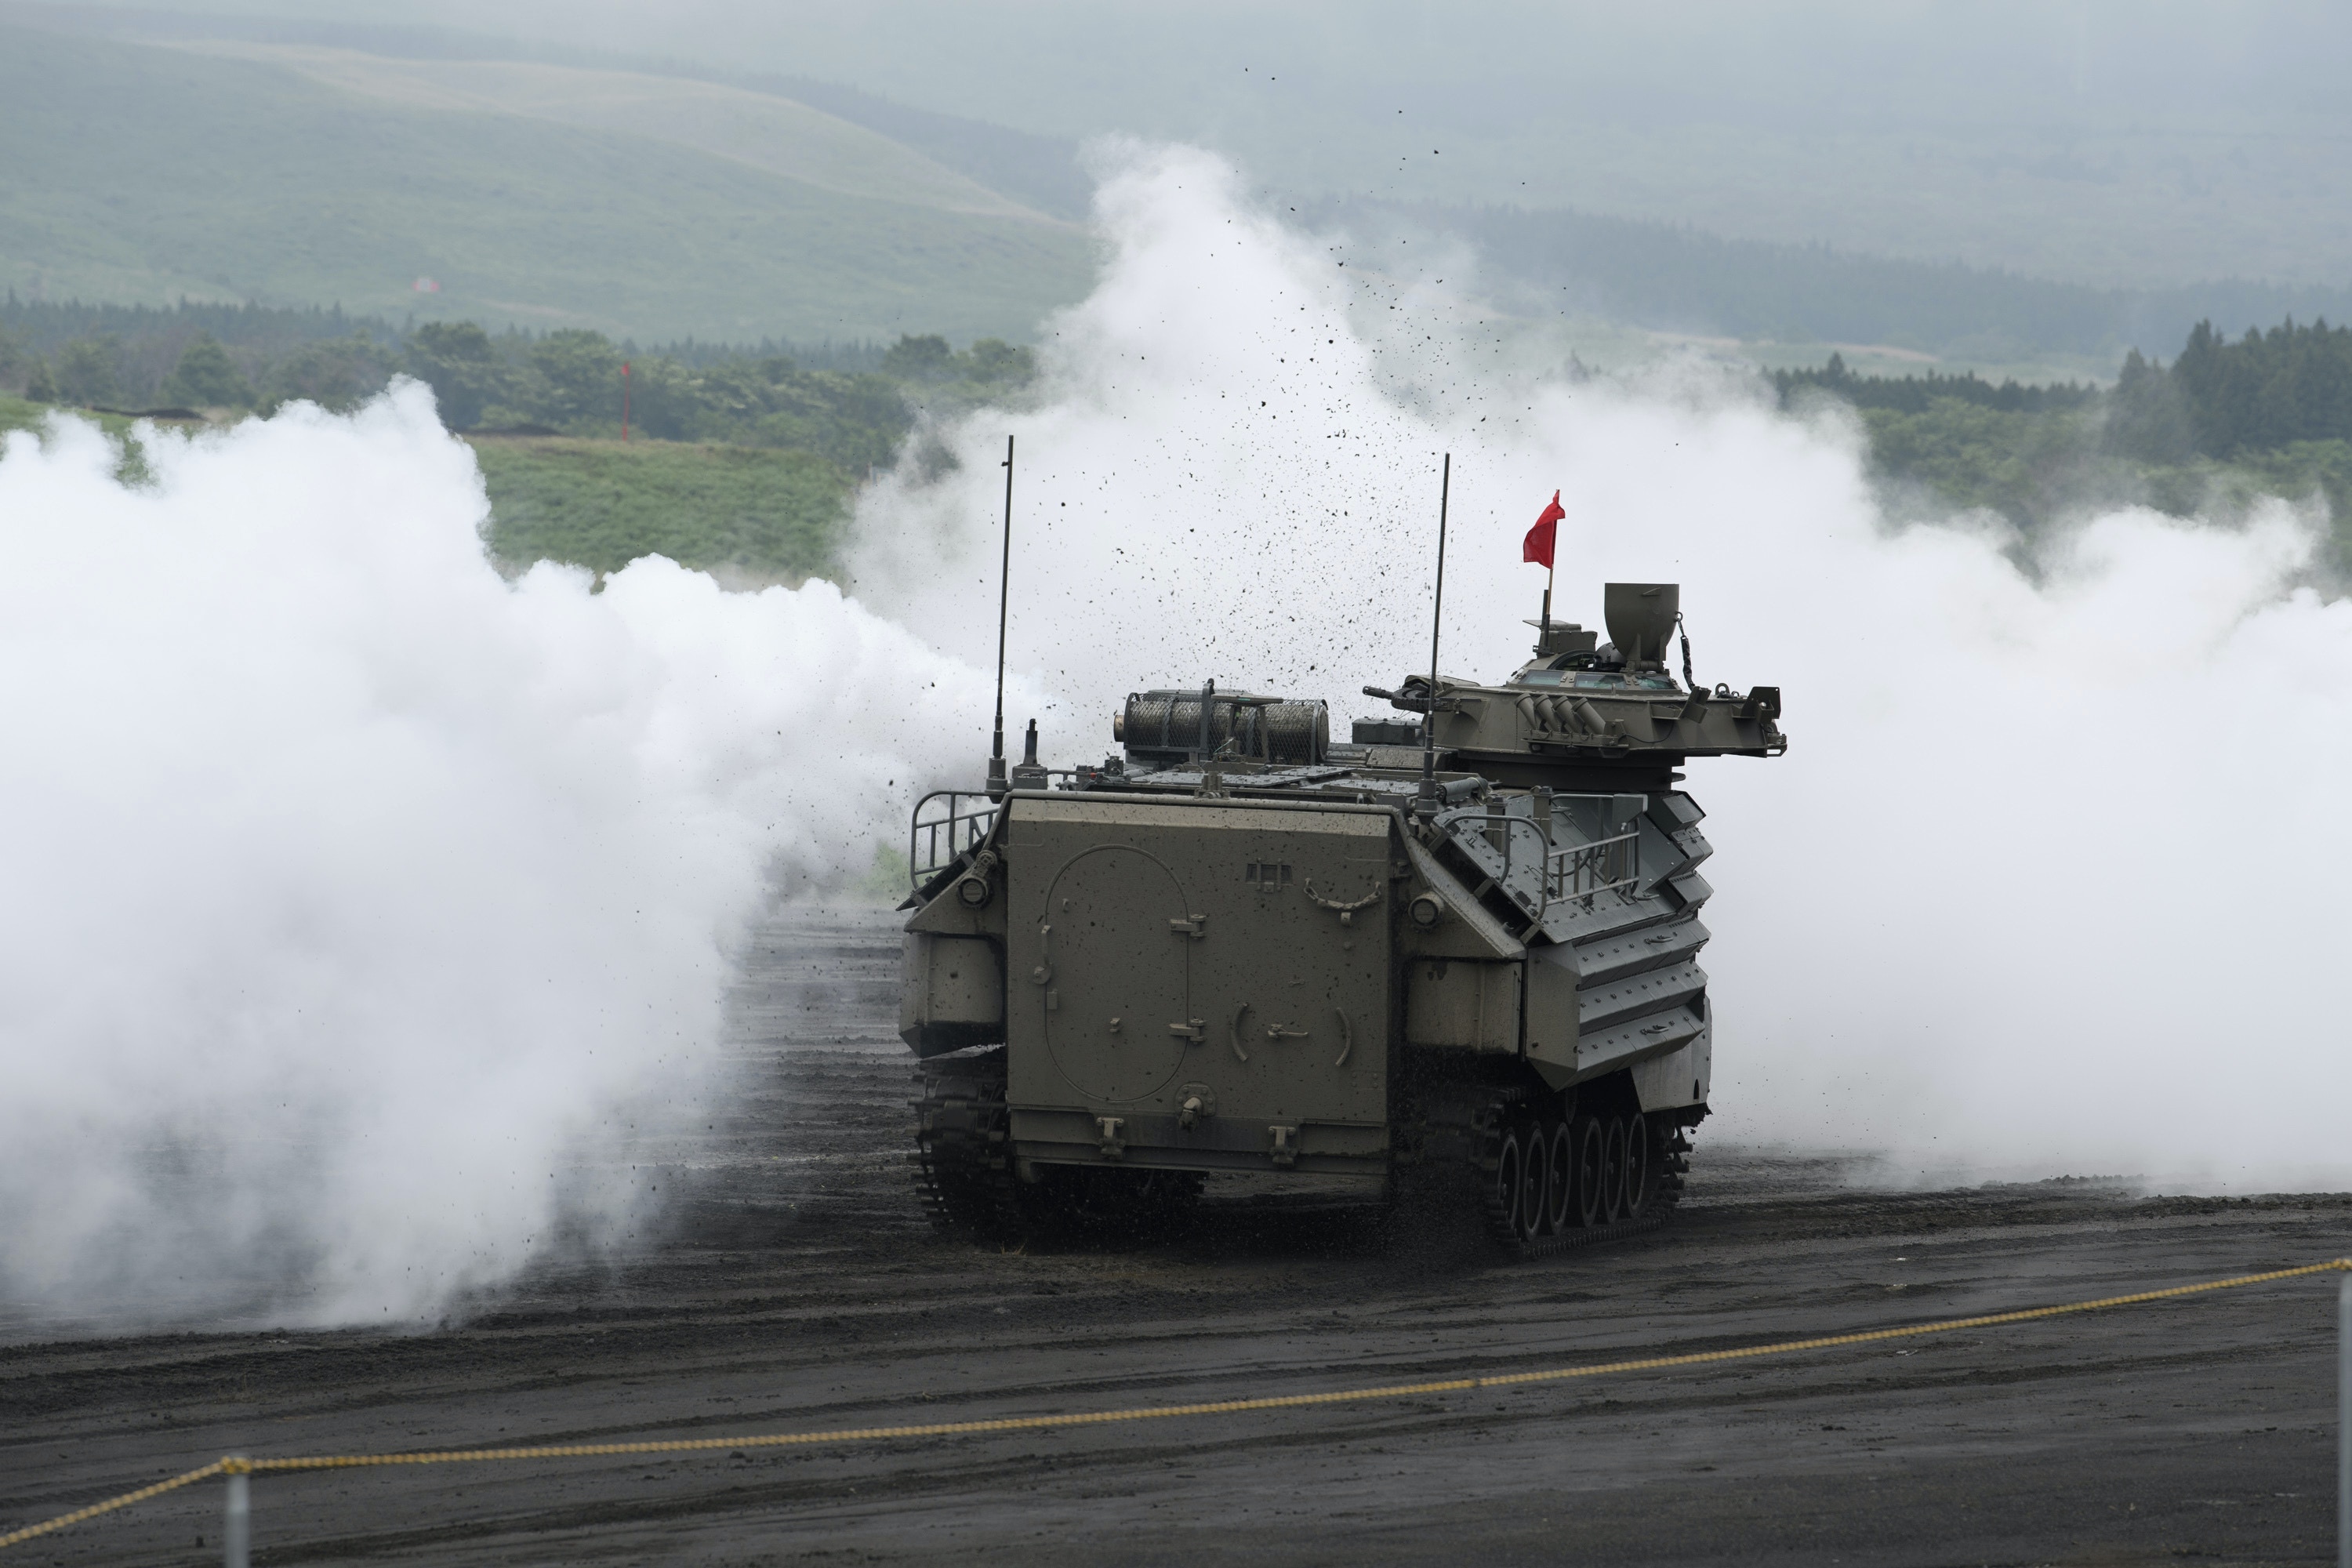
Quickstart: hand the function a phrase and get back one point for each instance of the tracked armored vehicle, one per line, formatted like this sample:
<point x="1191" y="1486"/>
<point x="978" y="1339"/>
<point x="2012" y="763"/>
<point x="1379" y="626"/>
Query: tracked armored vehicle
<point x="1458" y="955"/>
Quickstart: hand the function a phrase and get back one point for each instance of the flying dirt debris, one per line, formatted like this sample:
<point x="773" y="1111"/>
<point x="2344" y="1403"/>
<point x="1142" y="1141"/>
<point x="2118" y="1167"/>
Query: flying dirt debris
<point x="1459" y="955"/>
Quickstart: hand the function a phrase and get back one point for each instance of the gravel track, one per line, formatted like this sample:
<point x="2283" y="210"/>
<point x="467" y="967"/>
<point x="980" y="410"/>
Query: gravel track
<point x="798" y="1288"/>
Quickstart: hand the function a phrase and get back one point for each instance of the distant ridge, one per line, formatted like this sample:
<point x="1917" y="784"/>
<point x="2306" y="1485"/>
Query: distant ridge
<point x="376" y="193"/>
<point x="1659" y="276"/>
<point x="1040" y="171"/>
<point x="1672" y="277"/>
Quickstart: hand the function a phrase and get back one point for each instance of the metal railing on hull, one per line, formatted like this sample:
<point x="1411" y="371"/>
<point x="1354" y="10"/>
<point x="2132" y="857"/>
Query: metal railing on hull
<point x="1581" y="869"/>
<point x="950" y="830"/>
<point x="1605" y="864"/>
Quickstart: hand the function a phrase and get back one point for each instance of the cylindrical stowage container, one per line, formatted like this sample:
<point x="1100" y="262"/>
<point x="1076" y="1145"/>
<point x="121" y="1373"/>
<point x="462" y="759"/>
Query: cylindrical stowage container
<point x="1167" y="726"/>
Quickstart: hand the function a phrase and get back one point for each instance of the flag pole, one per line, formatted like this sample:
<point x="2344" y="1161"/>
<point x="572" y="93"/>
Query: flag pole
<point x="1547" y="526"/>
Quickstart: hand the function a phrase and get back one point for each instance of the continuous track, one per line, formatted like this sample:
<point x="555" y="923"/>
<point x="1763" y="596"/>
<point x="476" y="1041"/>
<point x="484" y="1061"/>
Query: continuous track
<point x="1460" y="1166"/>
<point x="964" y="1166"/>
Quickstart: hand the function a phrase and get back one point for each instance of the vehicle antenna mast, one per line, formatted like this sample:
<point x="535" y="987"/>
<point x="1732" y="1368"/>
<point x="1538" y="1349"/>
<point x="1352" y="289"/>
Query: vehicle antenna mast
<point x="1427" y="806"/>
<point x="996" y="780"/>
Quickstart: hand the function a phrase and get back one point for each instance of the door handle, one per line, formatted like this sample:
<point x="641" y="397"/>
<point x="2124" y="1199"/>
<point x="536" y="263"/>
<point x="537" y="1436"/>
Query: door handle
<point x="1345" y="911"/>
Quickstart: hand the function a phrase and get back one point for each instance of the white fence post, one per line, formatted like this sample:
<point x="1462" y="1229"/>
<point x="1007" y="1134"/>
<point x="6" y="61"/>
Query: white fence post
<point x="2344" y="1423"/>
<point x="237" y="1532"/>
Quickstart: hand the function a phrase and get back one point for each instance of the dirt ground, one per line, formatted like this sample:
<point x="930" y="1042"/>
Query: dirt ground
<point x="802" y="1289"/>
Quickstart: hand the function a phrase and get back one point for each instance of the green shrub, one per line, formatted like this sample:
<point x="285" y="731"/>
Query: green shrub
<point x="205" y="377"/>
<point x="338" y="374"/>
<point x="88" y="372"/>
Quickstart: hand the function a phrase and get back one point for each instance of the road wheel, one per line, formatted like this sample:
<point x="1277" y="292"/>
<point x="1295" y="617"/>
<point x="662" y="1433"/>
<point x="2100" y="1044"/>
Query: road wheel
<point x="1560" y="1179"/>
<point x="1591" y="1171"/>
<point x="1534" y="1182"/>
<point x="1641" y="1167"/>
<point x="1612" y="1170"/>
<point x="1510" y="1178"/>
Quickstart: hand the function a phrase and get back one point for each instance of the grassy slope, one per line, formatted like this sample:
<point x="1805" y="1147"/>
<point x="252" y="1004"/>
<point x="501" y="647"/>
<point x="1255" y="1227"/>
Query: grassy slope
<point x="16" y="414"/>
<point x="768" y="133"/>
<point x="747" y="512"/>
<point x="136" y="173"/>
<point x="750" y="514"/>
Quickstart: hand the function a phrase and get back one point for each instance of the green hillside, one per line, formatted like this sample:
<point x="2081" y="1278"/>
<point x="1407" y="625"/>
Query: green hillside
<point x="751" y="515"/>
<point x="137" y="172"/>
<point x="748" y="514"/>
<point x="760" y="129"/>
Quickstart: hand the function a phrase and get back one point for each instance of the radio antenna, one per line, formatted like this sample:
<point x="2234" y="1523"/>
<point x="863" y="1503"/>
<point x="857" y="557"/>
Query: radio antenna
<point x="1428" y="803"/>
<point x="996" y="782"/>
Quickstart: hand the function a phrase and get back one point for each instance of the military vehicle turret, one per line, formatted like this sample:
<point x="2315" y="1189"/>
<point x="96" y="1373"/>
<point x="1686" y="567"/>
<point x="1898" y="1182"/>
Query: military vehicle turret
<point x="1462" y="954"/>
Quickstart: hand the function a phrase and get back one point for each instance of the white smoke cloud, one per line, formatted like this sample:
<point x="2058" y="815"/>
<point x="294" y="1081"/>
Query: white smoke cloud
<point x="361" y="899"/>
<point x="2049" y="880"/>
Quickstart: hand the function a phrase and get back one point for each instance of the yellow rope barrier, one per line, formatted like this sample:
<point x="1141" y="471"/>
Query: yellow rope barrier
<point x="50" y="1526"/>
<point x="1161" y="1411"/>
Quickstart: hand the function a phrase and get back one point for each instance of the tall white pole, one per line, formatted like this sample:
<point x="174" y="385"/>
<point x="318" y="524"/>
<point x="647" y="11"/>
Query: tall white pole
<point x="237" y="1532"/>
<point x="2344" y="1424"/>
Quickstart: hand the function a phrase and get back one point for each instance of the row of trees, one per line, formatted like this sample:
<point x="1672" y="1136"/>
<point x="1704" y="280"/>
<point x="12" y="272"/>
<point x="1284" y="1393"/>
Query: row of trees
<point x="104" y="372"/>
<point x="2265" y="392"/>
<point x="1913" y="393"/>
<point x="2270" y="412"/>
<point x="572" y="382"/>
<point x="567" y="381"/>
<point x="2273" y="406"/>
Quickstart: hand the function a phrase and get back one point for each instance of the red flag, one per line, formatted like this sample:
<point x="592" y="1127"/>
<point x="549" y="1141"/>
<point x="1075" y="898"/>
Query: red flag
<point x="1539" y="537"/>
